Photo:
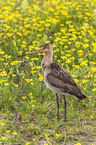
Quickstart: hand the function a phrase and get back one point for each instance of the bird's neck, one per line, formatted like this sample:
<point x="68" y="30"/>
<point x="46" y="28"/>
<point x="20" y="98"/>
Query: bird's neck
<point x="47" y="59"/>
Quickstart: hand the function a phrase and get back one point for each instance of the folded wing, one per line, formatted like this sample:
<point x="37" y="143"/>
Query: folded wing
<point x="61" y="79"/>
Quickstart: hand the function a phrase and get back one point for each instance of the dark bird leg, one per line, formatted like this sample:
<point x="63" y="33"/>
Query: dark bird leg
<point x="64" y="107"/>
<point x="57" y="107"/>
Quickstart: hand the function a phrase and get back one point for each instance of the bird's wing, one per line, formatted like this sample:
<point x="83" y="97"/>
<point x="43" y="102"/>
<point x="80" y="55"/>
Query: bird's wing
<point x="60" y="78"/>
<point x="60" y="73"/>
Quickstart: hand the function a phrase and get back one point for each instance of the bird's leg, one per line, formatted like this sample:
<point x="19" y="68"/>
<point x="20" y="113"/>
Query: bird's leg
<point x="57" y="107"/>
<point x="64" y="107"/>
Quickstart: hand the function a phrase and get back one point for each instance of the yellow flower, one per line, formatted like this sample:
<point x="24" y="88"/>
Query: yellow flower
<point x="2" y="59"/>
<point x="26" y="19"/>
<point x="42" y="22"/>
<point x="57" y="135"/>
<point x="47" y="138"/>
<point x="14" y="133"/>
<point x="84" y="81"/>
<point x="30" y="48"/>
<point x="47" y="42"/>
<point x="89" y="97"/>
<point x="94" y="90"/>
<point x="78" y="144"/>
<point x="76" y="80"/>
<point x="34" y="139"/>
<point x="45" y="135"/>
<point x="9" y="34"/>
<point x="85" y="45"/>
<point x="6" y="64"/>
<point x="1" y="52"/>
<point x="14" y="62"/>
<point x="27" y="143"/>
<point x="28" y="80"/>
<point x="3" y="138"/>
<point x="86" y="40"/>
<point x="23" y="97"/>
<point x="8" y="131"/>
<point x="23" y="45"/>
<point x="26" y="57"/>
<point x="20" y="52"/>
<point x="40" y="78"/>
<point x="47" y="24"/>
<point x="32" y="83"/>
<point x="33" y="105"/>
<point x="3" y="124"/>
<point x="3" y="73"/>
<point x="30" y="94"/>
<point x="6" y="84"/>
<point x="63" y="57"/>
<point x="38" y="67"/>
<point x="68" y="61"/>
<point x="83" y="63"/>
<point x="93" y="69"/>
<point x="20" y="34"/>
<point x="10" y="98"/>
<point x="16" y="85"/>
<point x="91" y="116"/>
<point x="33" y="72"/>
<point x="13" y="75"/>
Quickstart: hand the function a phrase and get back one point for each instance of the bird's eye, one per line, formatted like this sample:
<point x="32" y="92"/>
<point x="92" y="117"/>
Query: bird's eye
<point x="45" y="46"/>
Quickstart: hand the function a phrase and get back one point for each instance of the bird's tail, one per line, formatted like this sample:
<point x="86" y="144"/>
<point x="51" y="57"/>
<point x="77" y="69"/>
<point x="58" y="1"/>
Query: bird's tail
<point x="82" y="97"/>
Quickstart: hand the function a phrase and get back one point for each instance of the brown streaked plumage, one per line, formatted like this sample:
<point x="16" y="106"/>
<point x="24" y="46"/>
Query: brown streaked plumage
<point x="61" y="79"/>
<point x="57" y="78"/>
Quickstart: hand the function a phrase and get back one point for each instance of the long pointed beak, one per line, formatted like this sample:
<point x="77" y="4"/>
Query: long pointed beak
<point x="37" y="51"/>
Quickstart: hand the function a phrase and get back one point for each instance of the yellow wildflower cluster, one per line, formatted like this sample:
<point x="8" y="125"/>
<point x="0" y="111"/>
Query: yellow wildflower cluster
<point x="23" y="28"/>
<point x="74" y="40"/>
<point x="3" y="124"/>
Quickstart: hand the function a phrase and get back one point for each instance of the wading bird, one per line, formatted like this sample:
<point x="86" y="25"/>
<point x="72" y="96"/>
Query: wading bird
<point x="57" y="78"/>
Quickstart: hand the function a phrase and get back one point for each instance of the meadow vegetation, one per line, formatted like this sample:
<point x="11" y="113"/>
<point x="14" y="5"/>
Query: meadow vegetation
<point x="28" y="110"/>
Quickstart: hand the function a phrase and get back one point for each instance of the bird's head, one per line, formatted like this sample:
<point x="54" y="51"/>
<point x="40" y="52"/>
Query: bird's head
<point x="46" y="48"/>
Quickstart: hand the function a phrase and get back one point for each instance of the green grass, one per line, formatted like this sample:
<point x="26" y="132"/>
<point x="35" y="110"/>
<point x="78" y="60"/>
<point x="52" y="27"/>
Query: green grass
<point x="28" y="110"/>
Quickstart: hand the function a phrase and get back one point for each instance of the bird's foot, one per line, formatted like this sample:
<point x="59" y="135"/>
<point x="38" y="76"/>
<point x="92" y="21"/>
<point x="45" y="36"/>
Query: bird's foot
<point x="64" y="119"/>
